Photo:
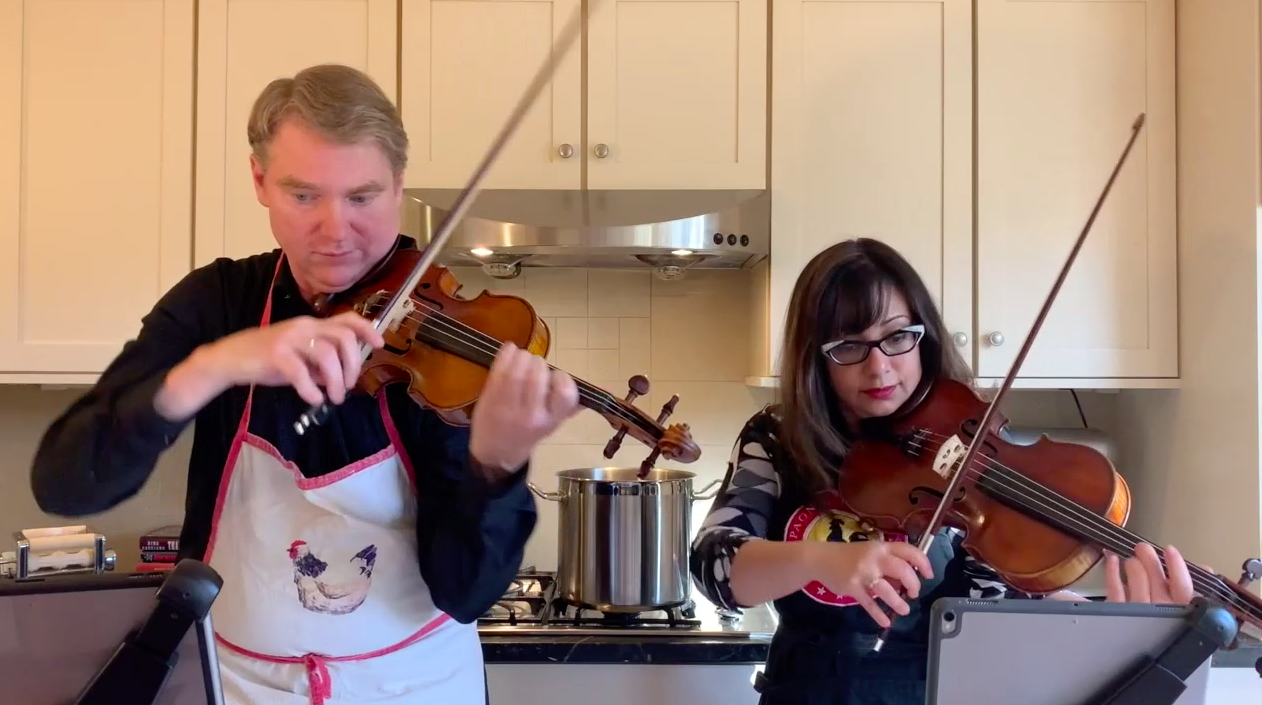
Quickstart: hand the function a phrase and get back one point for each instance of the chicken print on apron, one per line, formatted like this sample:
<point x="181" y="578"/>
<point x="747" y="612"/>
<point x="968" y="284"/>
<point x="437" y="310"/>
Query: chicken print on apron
<point x="323" y="602"/>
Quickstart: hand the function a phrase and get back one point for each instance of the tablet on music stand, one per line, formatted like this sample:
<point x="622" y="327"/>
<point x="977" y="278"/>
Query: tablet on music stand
<point x="56" y="634"/>
<point x="1053" y="652"/>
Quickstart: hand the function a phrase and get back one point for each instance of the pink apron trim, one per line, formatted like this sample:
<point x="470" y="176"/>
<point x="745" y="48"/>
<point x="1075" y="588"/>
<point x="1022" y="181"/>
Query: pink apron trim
<point x="320" y="683"/>
<point x="312" y="483"/>
<point x="393" y="432"/>
<point x="317" y="669"/>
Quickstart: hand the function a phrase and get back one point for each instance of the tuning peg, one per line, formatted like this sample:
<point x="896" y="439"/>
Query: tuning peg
<point x="637" y="386"/>
<point x="1250" y="571"/>
<point x="668" y="408"/>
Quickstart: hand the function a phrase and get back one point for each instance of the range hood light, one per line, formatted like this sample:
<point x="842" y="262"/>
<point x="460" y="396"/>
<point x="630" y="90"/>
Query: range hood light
<point x="681" y="252"/>
<point x="481" y="252"/>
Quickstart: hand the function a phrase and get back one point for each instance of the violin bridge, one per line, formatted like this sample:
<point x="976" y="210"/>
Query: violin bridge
<point x="949" y="454"/>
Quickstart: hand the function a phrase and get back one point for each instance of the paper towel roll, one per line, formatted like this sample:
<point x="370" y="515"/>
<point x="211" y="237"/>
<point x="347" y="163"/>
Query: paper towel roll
<point x="67" y="542"/>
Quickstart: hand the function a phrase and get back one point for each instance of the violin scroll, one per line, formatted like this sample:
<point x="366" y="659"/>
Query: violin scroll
<point x="1250" y="572"/>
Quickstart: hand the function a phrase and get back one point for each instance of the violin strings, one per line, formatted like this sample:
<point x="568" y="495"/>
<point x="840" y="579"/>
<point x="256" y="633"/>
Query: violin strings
<point x="480" y="343"/>
<point x="1108" y="534"/>
<point x="1008" y="479"/>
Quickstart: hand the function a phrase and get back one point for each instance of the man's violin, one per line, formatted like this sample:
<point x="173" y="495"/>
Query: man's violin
<point x="442" y="346"/>
<point x="1041" y="515"/>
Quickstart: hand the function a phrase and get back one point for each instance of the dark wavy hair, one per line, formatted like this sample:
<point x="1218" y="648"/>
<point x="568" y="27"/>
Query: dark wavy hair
<point x="843" y="291"/>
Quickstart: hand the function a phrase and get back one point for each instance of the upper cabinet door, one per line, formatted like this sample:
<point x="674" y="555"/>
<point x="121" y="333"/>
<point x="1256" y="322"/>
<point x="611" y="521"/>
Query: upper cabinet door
<point x="1059" y="85"/>
<point x="96" y="132"/>
<point x="872" y="137"/>
<point x="465" y="66"/>
<point x="677" y="94"/>
<point x="242" y="46"/>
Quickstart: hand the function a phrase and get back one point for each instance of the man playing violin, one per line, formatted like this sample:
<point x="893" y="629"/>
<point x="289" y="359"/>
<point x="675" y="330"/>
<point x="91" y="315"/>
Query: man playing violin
<point x="862" y="336"/>
<point x="356" y="557"/>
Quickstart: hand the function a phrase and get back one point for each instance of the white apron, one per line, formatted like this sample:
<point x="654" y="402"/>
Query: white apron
<point x="323" y="602"/>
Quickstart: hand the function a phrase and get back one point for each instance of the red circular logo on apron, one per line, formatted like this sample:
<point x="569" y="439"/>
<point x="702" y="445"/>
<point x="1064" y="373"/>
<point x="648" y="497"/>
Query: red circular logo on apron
<point x="835" y="525"/>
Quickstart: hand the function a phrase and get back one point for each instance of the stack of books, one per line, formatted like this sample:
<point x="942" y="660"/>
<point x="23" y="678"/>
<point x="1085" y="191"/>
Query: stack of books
<point x="159" y="549"/>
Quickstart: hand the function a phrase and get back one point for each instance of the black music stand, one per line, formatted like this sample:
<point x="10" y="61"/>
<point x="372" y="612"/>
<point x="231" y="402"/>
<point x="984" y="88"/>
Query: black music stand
<point x="139" y="669"/>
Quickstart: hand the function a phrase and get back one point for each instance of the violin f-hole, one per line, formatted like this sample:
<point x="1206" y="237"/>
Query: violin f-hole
<point x="914" y="495"/>
<point x="969" y="429"/>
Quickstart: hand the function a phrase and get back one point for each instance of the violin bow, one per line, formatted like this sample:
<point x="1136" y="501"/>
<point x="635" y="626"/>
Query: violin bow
<point x="395" y="308"/>
<point x="926" y="539"/>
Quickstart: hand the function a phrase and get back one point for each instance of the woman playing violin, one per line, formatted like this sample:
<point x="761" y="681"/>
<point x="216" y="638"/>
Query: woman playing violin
<point x="862" y="338"/>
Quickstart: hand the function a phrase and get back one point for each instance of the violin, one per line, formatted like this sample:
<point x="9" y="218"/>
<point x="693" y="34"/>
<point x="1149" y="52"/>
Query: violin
<point x="1040" y="515"/>
<point x="442" y="346"/>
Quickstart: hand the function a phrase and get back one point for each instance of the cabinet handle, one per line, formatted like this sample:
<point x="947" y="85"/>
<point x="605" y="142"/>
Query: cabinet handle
<point x="601" y="151"/>
<point x="961" y="339"/>
<point x="996" y="338"/>
<point x="566" y="151"/>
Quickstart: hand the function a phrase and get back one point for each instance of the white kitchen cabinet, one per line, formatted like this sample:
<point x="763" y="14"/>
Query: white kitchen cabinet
<point x="95" y="176"/>
<point x="873" y="135"/>
<point x="677" y="94"/>
<point x="674" y="96"/>
<point x="464" y="66"/>
<point x="240" y="50"/>
<point x="1058" y="86"/>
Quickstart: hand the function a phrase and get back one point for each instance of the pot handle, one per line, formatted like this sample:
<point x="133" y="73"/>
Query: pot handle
<point x="701" y="494"/>
<point x="551" y="496"/>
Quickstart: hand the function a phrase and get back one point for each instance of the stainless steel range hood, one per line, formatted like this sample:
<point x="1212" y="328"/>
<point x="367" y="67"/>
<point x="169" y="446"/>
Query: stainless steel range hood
<point x="665" y="230"/>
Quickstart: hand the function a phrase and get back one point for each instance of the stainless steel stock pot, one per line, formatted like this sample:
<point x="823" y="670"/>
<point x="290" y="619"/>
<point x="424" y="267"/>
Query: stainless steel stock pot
<point x="623" y="543"/>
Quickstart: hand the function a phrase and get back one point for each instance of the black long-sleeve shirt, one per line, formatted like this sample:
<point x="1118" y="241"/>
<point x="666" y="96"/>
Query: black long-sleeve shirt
<point x="471" y="533"/>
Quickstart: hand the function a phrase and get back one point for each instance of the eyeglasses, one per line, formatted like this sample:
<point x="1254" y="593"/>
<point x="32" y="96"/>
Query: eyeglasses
<point x="852" y="352"/>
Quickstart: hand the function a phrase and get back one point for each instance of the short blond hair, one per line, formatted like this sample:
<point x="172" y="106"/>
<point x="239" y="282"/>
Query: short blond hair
<point x="342" y="103"/>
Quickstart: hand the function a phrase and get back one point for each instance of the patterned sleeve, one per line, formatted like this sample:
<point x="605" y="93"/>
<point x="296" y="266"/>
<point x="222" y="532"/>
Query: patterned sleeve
<point x="741" y="510"/>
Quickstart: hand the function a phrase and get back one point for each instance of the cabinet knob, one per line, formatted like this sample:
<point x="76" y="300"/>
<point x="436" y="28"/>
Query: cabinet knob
<point x="995" y="338"/>
<point x="566" y="151"/>
<point x="601" y="151"/>
<point x="960" y="339"/>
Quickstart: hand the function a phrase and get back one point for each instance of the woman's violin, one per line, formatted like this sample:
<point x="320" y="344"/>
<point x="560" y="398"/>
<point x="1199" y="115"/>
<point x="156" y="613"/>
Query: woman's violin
<point x="1040" y="515"/>
<point x="443" y="346"/>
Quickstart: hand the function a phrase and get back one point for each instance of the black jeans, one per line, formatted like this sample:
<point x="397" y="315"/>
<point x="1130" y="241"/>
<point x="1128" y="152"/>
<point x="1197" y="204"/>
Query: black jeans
<point x="806" y="667"/>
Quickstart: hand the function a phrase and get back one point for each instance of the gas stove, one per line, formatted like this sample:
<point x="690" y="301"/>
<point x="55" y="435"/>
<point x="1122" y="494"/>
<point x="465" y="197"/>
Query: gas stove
<point x="532" y="605"/>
